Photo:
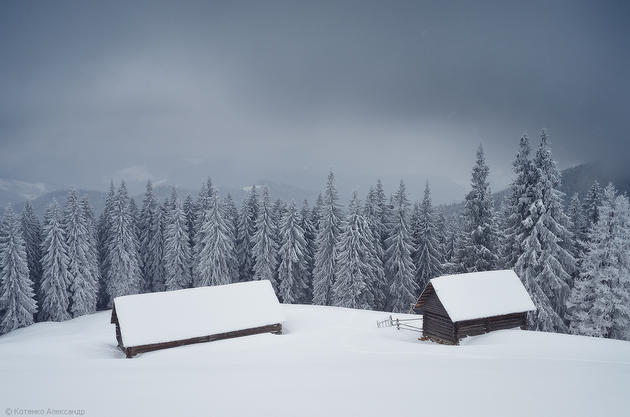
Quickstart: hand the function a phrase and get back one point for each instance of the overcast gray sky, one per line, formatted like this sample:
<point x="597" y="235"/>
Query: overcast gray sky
<point x="287" y="90"/>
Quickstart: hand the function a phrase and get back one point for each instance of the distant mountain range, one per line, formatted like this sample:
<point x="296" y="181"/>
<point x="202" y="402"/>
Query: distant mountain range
<point x="17" y="192"/>
<point x="577" y="179"/>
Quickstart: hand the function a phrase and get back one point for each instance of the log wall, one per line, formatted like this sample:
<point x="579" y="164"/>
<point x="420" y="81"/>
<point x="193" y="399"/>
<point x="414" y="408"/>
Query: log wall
<point x="438" y="325"/>
<point x="131" y="351"/>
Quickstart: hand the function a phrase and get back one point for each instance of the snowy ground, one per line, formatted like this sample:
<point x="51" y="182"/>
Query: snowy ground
<point x="330" y="362"/>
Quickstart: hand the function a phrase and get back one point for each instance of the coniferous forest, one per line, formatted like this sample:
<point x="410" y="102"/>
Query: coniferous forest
<point x="375" y="252"/>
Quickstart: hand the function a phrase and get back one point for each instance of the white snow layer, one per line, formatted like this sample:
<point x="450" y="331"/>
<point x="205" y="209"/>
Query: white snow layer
<point x="482" y="294"/>
<point x="195" y="312"/>
<point x="330" y="362"/>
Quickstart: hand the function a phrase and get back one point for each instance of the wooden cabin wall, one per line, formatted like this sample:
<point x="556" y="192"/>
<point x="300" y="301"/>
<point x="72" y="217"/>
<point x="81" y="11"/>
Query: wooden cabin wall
<point x="440" y="327"/>
<point x="435" y="320"/>
<point x="485" y="325"/>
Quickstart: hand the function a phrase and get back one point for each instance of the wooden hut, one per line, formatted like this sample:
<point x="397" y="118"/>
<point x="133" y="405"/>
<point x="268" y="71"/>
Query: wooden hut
<point x="456" y="306"/>
<point x="147" y="322"/>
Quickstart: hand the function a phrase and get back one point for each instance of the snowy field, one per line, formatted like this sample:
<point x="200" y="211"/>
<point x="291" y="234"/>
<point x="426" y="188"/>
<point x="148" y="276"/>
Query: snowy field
<point x="329" y="362"/>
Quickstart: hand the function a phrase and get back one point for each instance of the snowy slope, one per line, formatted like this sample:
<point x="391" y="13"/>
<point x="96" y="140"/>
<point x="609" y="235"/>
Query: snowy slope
<point x="330" y="362"/>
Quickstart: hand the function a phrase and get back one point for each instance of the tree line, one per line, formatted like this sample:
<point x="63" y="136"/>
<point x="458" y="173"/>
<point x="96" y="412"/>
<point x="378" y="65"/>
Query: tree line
<point x="374" y="254"/>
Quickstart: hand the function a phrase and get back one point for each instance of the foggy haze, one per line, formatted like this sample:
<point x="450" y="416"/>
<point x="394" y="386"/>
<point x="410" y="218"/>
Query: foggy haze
<point x="285" y="91"/>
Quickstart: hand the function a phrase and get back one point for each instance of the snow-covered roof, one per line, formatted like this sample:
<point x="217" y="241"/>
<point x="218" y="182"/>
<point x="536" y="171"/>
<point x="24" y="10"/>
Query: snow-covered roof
<point x="482" y="294"/>
<point x="178" y="315"/>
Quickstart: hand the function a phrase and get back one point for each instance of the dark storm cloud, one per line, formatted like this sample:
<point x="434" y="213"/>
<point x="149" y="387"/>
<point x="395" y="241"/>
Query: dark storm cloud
<point x="177" y="91"/>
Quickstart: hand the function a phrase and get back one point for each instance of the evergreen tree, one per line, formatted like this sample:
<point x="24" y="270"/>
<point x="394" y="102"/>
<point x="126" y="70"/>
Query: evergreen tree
<point x="191" y="211"/>
<point x="231" y="214"/>
<point x="56" y="278"/>
<point x="17" y="302"/>
<point x="246" y="232"/>
<point x="203" y="205"/>
<point x="316" y="213"/>
<point x="292" y="255"/>
<point x="382" y="211"/>
<point x="399" y="268"/>
<point x="478" y="251"/>
<point x="327" y="238"/>
<point x="516" y="205"/>
<point x="265" y="247"/>
<point x="216" y="263"/>
<point x="600" y="301"/>
<point x="93" y="262"/>
<point x="103" y="235"/>
<point x="177" y="251"/>
<point x="424" y="235"/>
<point x="592" y="201"/>
<point x="545" y="266"/>
<point x="578" y="226"/>
<point x="83" y="284"/>
<point x="375" y="215"/>
<point x="442" y="238"/>
<point x="355" y="275"/>
<point x="123" y="266"/>
<point x="158" y="279"/>
<point x="309" y="237"/>
<point x="32" y="231"/>
<point x="133" y="211"/>
<point x="149" y="227"/>
<point x="278" y="210"/>
<point x="171" y="201"/>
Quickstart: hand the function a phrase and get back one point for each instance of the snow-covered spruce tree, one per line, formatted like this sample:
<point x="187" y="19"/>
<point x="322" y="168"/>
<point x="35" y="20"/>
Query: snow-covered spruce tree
<point x="32" y="232"/>
<point x="516" y="205"/>
<point x="203" y="206"/>
<point x="231" y="216"/>
<point x="545" y="265"/>
<point x="90" y="221"/>
<point x="158" y="279"/>
<point x="216" y="263"/>
<point x="177" y="251"/>
<point x="102" y="237"/>
<point x="265" y="247"/>
<point x="449" y="250"/>
<point x="54" y="296"/>
<point x="123" y="265"/>
<point x="600" y="301"/>
<point x="231" y="212"/>
<point x="316" y="213"/>
<point x="292" y="256"/>
<point x="83" y="284"/>
<point x="327" y="237"/>
<point x="278" y="210"/>
<point x="441" y="236"/>
<point x="17" y="300"/>
<point x="478" y="251"/>
<point x="133" y="211"/>
<point x="309" y="237"/>
<point x="424" y="235"/>
<point x="578" y="226"/>
<point x="373" y="212"/>
<point x="190" y="210"/>
<point x="246" y="232"/>
<point x="148" y="226"/>
<point x="355" y="274"/>
<point x="592" y="201"/>
<point x="399" y="268"/>
<point x="204" y="203"/>
<point x="171" y="201"/>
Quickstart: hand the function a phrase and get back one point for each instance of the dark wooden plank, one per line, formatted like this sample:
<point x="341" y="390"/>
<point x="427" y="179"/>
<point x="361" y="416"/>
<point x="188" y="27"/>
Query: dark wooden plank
<point x="131" y="351"/>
